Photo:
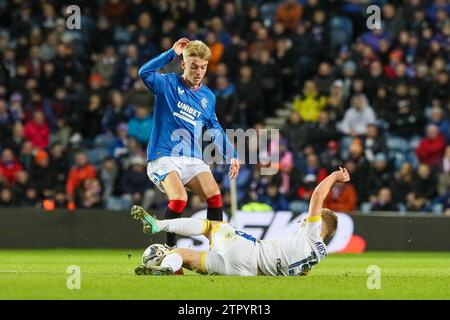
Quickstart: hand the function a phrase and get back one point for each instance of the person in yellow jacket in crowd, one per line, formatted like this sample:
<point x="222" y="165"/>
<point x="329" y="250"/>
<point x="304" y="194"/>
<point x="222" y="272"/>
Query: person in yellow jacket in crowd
<point x="310" y="103"/>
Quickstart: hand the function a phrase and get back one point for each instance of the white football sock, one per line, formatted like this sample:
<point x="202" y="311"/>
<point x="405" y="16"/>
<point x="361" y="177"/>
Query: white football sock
<point x="173" y="261"/>
<point x="184" y="226"/>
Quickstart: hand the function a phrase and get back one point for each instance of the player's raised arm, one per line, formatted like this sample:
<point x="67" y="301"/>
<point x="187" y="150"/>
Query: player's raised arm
<point x="148" y="72"/>
<point x="321" y="191"/>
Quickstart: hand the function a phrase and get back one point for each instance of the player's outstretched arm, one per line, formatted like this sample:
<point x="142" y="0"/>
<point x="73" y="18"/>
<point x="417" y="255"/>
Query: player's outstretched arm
<point x="148" y="72"/>
<point x="321" y="191"/>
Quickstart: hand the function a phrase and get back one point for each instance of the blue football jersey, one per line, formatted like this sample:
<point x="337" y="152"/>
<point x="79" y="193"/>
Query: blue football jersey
<point x="180" y="114"/>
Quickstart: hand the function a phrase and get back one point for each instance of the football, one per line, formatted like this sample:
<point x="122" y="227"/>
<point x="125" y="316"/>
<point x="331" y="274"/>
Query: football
<point x="154" y="254"/>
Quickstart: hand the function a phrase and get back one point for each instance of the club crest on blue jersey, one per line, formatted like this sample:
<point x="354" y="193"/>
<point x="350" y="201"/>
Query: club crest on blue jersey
<point x="204" y="103"/>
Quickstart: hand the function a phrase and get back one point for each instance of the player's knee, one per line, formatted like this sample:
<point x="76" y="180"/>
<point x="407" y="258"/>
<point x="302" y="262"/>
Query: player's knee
<point x="212" y="191"/>
<point x="177" y="205"/>
<point x="180" y="194"/>
<point x="214" y="201"/>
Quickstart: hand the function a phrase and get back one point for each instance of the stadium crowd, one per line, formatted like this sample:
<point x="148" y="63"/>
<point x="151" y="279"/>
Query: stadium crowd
<point x="75" y="118"/>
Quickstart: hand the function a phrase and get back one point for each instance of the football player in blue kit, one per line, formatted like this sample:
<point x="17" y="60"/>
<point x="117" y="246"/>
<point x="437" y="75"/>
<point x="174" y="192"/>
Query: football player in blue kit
<point x="183" y="107"/>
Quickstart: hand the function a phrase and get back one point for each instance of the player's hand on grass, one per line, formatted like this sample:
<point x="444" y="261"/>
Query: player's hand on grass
<point x="342" y="175"/>
<point x="179" y="46"/>
<point x="234" y="168"/>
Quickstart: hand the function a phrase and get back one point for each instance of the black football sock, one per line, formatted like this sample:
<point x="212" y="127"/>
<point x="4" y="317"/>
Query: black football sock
<point x="171" y="238"/>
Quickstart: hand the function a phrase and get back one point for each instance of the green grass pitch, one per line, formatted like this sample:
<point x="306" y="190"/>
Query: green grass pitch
<point x="108" y="274"/>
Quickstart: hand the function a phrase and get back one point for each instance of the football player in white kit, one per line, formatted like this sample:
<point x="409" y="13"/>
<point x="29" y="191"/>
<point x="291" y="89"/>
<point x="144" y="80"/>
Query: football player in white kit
<point x="233" y="252"/>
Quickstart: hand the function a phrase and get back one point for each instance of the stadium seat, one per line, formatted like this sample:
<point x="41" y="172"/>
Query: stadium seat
<point x="341" y="31"/>
<point x="267" y="11"/>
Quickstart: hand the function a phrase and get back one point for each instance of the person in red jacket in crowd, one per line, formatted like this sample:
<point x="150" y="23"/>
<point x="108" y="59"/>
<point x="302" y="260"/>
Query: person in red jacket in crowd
<point x="37" y="131"/>
<point x="81" y="171"/>
<point x="342" y="198"/>
<point x="8" y="168"/>
<point x="431" y="148"/>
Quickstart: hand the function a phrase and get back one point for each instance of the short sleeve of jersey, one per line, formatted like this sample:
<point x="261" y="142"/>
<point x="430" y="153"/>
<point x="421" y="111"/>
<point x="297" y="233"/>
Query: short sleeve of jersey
<point x="313" y="230"/>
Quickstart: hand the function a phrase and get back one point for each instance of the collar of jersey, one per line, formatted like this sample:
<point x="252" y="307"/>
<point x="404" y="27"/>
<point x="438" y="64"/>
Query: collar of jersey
<point x="182" y="83"/>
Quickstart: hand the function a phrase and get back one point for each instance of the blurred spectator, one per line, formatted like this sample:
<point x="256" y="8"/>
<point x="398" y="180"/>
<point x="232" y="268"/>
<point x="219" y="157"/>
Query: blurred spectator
<point x="431" y="148"/>
<point x="381" y="103"/>
<point x="15" y="141"/>
<point x="59" y="165"/>
<point x="258" y="185"/>
<point x="438" y="118"/>
<point x="342" y="198"/>
<point x="109" y="177"/>
<point x="23" y="193"/>
<point x="79" y="173"/>
<point x="323" y="131"/>
<point x="289" y="13"/>
<point x="383" y="201"/>
<point x="285" y="164"/>
<point x="309" y="104"/>
<point x="330" y="158"/>
<point x="424" y="190"/>
<point x="119" y="146"/>
<point x="374" y="143"/>
<point x="226" y="101"/>
<point x="375" y="37"/>
<point x="444" y="176"/>
<point x="375" y="79"/>
<point x="304" y="181"/>
<point x="358" y="167"/>
<point x="117" y="112"/>
<point x="403" y="182"/>
<point x="135" y="185"/>
<point x="42" y="176"/>
<point x="88" y="194"/>
<point x="284" y="55"/>
<point x="248" y="104"/>
<point x="324" y="78"/>
<point x="9" y="167"/>
<point x="296" y="132"/>
<point x="37" y="131"/>
<point x="336" y="100"/>
<point x="268" y="74"/>
<point x="357" y="117"/>
<point x="26" y="156"/>
<point x="302" y="192"/>
<point x="404" y="122"/>
<point x="217" y="49"/>
<point x="5" y="119"/>
<point x="140" y="126"/>
<point x="6" y="198"/>
<point x="394" y="22"/>
<point x="92" y="116"/>
<point x="379" y="176"/>
<point x="274" y="198"/>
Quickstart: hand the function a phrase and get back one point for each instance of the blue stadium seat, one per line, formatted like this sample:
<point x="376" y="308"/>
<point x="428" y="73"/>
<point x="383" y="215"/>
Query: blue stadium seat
<point x="267" y="11"/>
<point x="96" y="155"/>
<point x="341" y="31"/>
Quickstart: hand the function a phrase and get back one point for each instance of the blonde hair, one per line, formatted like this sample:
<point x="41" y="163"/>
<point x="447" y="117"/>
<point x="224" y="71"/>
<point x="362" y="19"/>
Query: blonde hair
<point x="198" y="49"/>
<point x="330" y="219"/>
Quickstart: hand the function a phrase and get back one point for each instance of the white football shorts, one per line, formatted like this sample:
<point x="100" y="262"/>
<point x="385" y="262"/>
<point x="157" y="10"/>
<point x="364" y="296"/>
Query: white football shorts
<point x="232" y="253"/>
<point x="187" y="168"/>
